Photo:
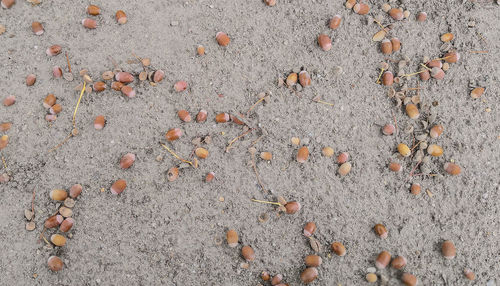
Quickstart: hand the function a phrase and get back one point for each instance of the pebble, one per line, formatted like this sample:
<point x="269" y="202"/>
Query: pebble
<point x="306" y="141"/>
<point x="337" y="70"/>
<point x="491" y="283"/>
<point x="371" y="270"/>
<point x="174" y="23"/>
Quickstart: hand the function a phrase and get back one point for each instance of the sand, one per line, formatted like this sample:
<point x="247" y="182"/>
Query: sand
<point x="168" y="233"/>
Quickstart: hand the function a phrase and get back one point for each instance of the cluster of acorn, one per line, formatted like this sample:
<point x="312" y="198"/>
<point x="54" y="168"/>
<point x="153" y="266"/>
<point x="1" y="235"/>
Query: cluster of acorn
<point x="62" y="220"/>
<point x="52" y="107"/>
<point x="324" y="41"/>
<point x="94" y="10"/>
<point x="302" y="77"/>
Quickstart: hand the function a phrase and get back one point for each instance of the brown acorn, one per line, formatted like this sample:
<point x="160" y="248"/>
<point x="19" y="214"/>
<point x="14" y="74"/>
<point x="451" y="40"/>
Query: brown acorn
<point x="54" y="50"/>
<point x="201" y="116"/>
<point x="452" y="168"/>
<point x="158" y="76"/>
<point x="4" y="140"/>
<point x="477" y="92"/>
<point x="415" y="189"/>
<point x="469" y="274"/>
<point x="53" y="221"/>
<point x="99" y="122"/>
<point x="309" y="274"/>
<point x="232" y="238"/>
<point x="58" y="195"/>
<point x="127" y="161"/>
<point x="447" y="37"/>
<point x="435" y="150"/>
<point x="448" y="249"/>
<point x="172" y="174"/>
<point x="66" y="225"/>
<point x="222" y="117"/>
<point x="396" y="44"/>
<point x="93" y="10"/>
<point x="128" y="91"/>
<point x="55" y="263"/>
<point x="276" y="280"/>
<point x="361" y="8"/>
<point x="436" y="131"/>
<point x="30" y="79"/>
<point x="386" y="47"/>
<point x="412" y="111"/>
<point x="265" y="276"/>
<point x="383" y="260"/>
<point x="434" y="63"/>
<point x="267" y="156"/>
<point x="184" y="115"/>
<point x="451" y="57"/>
<point x="396" y="14"/>
<point x="6" y="4"/>
<point x="173" y="134"/>
<point x="57" y="72"/>
<point x="124" y="77"/>
<point x="58" y="240"/>
<point x="335" y="22"/>
<point x="202" y="153"/>
<point x="49" y="101"/>
<point x="55" y="109"/>
<point x="248" y="253"/>
<point x="236" y="120"/>
<point x="180" y="86"/>
<point x="437" y="73"/>
<point x="116" y="85"/>
<point x="209" y="177"/>
<point x="380" y="230"/>
<point x="9" y="100"/>
<point x="121" y="17"/>
<point x="270" y="3"/>
<point x="309" y="229"/>
<point x="304" y="78"/>
<point x="118" y="187"/>
<point x="409" y="279"/>
<point x="99" y="86"/>
<point x="324" y="42"/>
<point x="302" y="154"/>
<point x="75" y="191"/>
<point x="5" y="126"/>
<point x="388" y="129"/>
<point x="200" y="50"/>
<point x="387" y="78"/>
<point x="338" y="248"/>
<point x="424" y="75"/>
<point x="398" y="262"/>
<point x="89" y="23"/>
<point x="222" y="39"/>
<point x="313" y="260"/>
<point x="421" y="17"/>
<point x="292" y="207"/>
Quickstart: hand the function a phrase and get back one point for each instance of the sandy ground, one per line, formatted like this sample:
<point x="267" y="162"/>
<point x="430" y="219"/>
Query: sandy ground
<point x="166" y="233"/>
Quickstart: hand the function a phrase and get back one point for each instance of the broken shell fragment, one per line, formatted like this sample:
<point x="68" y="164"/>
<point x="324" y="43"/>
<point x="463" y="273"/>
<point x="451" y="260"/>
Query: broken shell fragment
<point x="302" y="154"/>
<point x="172" y="174"/>
<point x="222" y="39"/>
<point x="58" y="195"/>
<point x="477" y="92"/>
<point x="99" y="122"/>
<point x="55" y="263"/>
<point x="118" y="186"/>
<point x="127" y="161"/>
<point x="173" y="134"/>
<point x="232" y="238"/>
<point x="248" y="253"/>
<point x="324" y="42"/>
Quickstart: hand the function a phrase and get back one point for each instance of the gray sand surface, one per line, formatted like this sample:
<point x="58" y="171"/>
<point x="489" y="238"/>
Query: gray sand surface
<point x="165" y="233"/>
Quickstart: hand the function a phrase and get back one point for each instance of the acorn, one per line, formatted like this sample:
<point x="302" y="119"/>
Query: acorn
<point x="396" y="14"/>
<point x="202" y="153"/>
<point x="55" y="109"/>
<point x="89" y="23"/>
<point x="30" y="79"/>
<point x="327" y="151"/>
<point x="5" y="126"/>
<point x="477" y="92"/>
<point x="99" y="122"/>
<point x="381" y="230"/>
<point x="342" y="157"/>
<point x="266" y="156"/>
<point x="395" y="167"/>
<point x="232" y="238"/>
<point x="415" y="188"/>
<point x="173" y="134"/>
<point x="58" y="240"/>
<point x="386" y="47"/>
<point x="99" y="86"/>
<point x="404" y="150"/>
<point x="121" y="17"/>
<point x="291" y="79"/>
<point x="75" y="191"/>
<point x="209" y="177"/>
<point x="65" y="212"/>
<point x="124" y="77"/>
<point x="398" y="262"/>
<point x="118" y="187"/>
<point x="371" y="277"/>
<point x="424" y="75"/>
<point x="66" y="225"/>
<point x="309" y="274"/>
<point x="304" y="78"/>
<point x="409" y="279"/>
<point x="127" y="161"/>
<point x="361" y="9"/>
<point x="201" y="116"/>
<point x="388" y="129"/>
<point x="57" y="72"/>
<point x="324" y="42"/>
<point x="184" y="115"/>
<point x="436" y="131"/>
<point x="435" y="150"/>
<point x="292" y="207"/>
<point x="116" y="85"/>
<point x="222" y="39"/>
<point x="265" y="276"/>
<point x="302" y="154"/>
<point x="313" y="260"/>
<point x="49" y="101"/>
<point x="469" y="274"/>
<point x="6" y="4"/>
<point x="387" y="78"/>
<point x="180" y="86"/>
<point x="108" y="75"/>
<point x="447" y="37"/>
<point x="93" y="10"/>
<point x="396" y="44"/>
<point x="421" y="17"/>
<point x="9" y="100"/>
<point x="434" y="63"/>
<point x="349" y="4"/>
<point x="236" y="120"/>
<point x="383" y="260"/>
<point x="338" y="248"/>
<point x="276" y="279"/>
<point x="128" y="91"/>
<point x="448" y="249"/>
<point x="172" y="174"/>
<point x="452" y="168"/>
<point x="437" y="73"/>
<point x="335" y="22"/>
<point x="4" y="140"/>
<point x="54" y="50"/>
<point x="248" y="253"/>
<point x="58" y="195"/>
<point x="412" y="111"/>
<point x="200" y="50"/>
<point x="55" y="263"/>
<point x="345" y="168"/>
<point x="451" y="57"/>
<point x="53" y="221"/>
<point x="309" y="229"/>
<point x="158" y="76"/>
<point x="50" y="117"/>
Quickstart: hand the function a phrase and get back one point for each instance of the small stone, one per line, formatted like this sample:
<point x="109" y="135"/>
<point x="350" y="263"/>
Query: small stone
<point x="174" y="23"/>
<point x="371" y="270"/>
<point x="159" y="158"/>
